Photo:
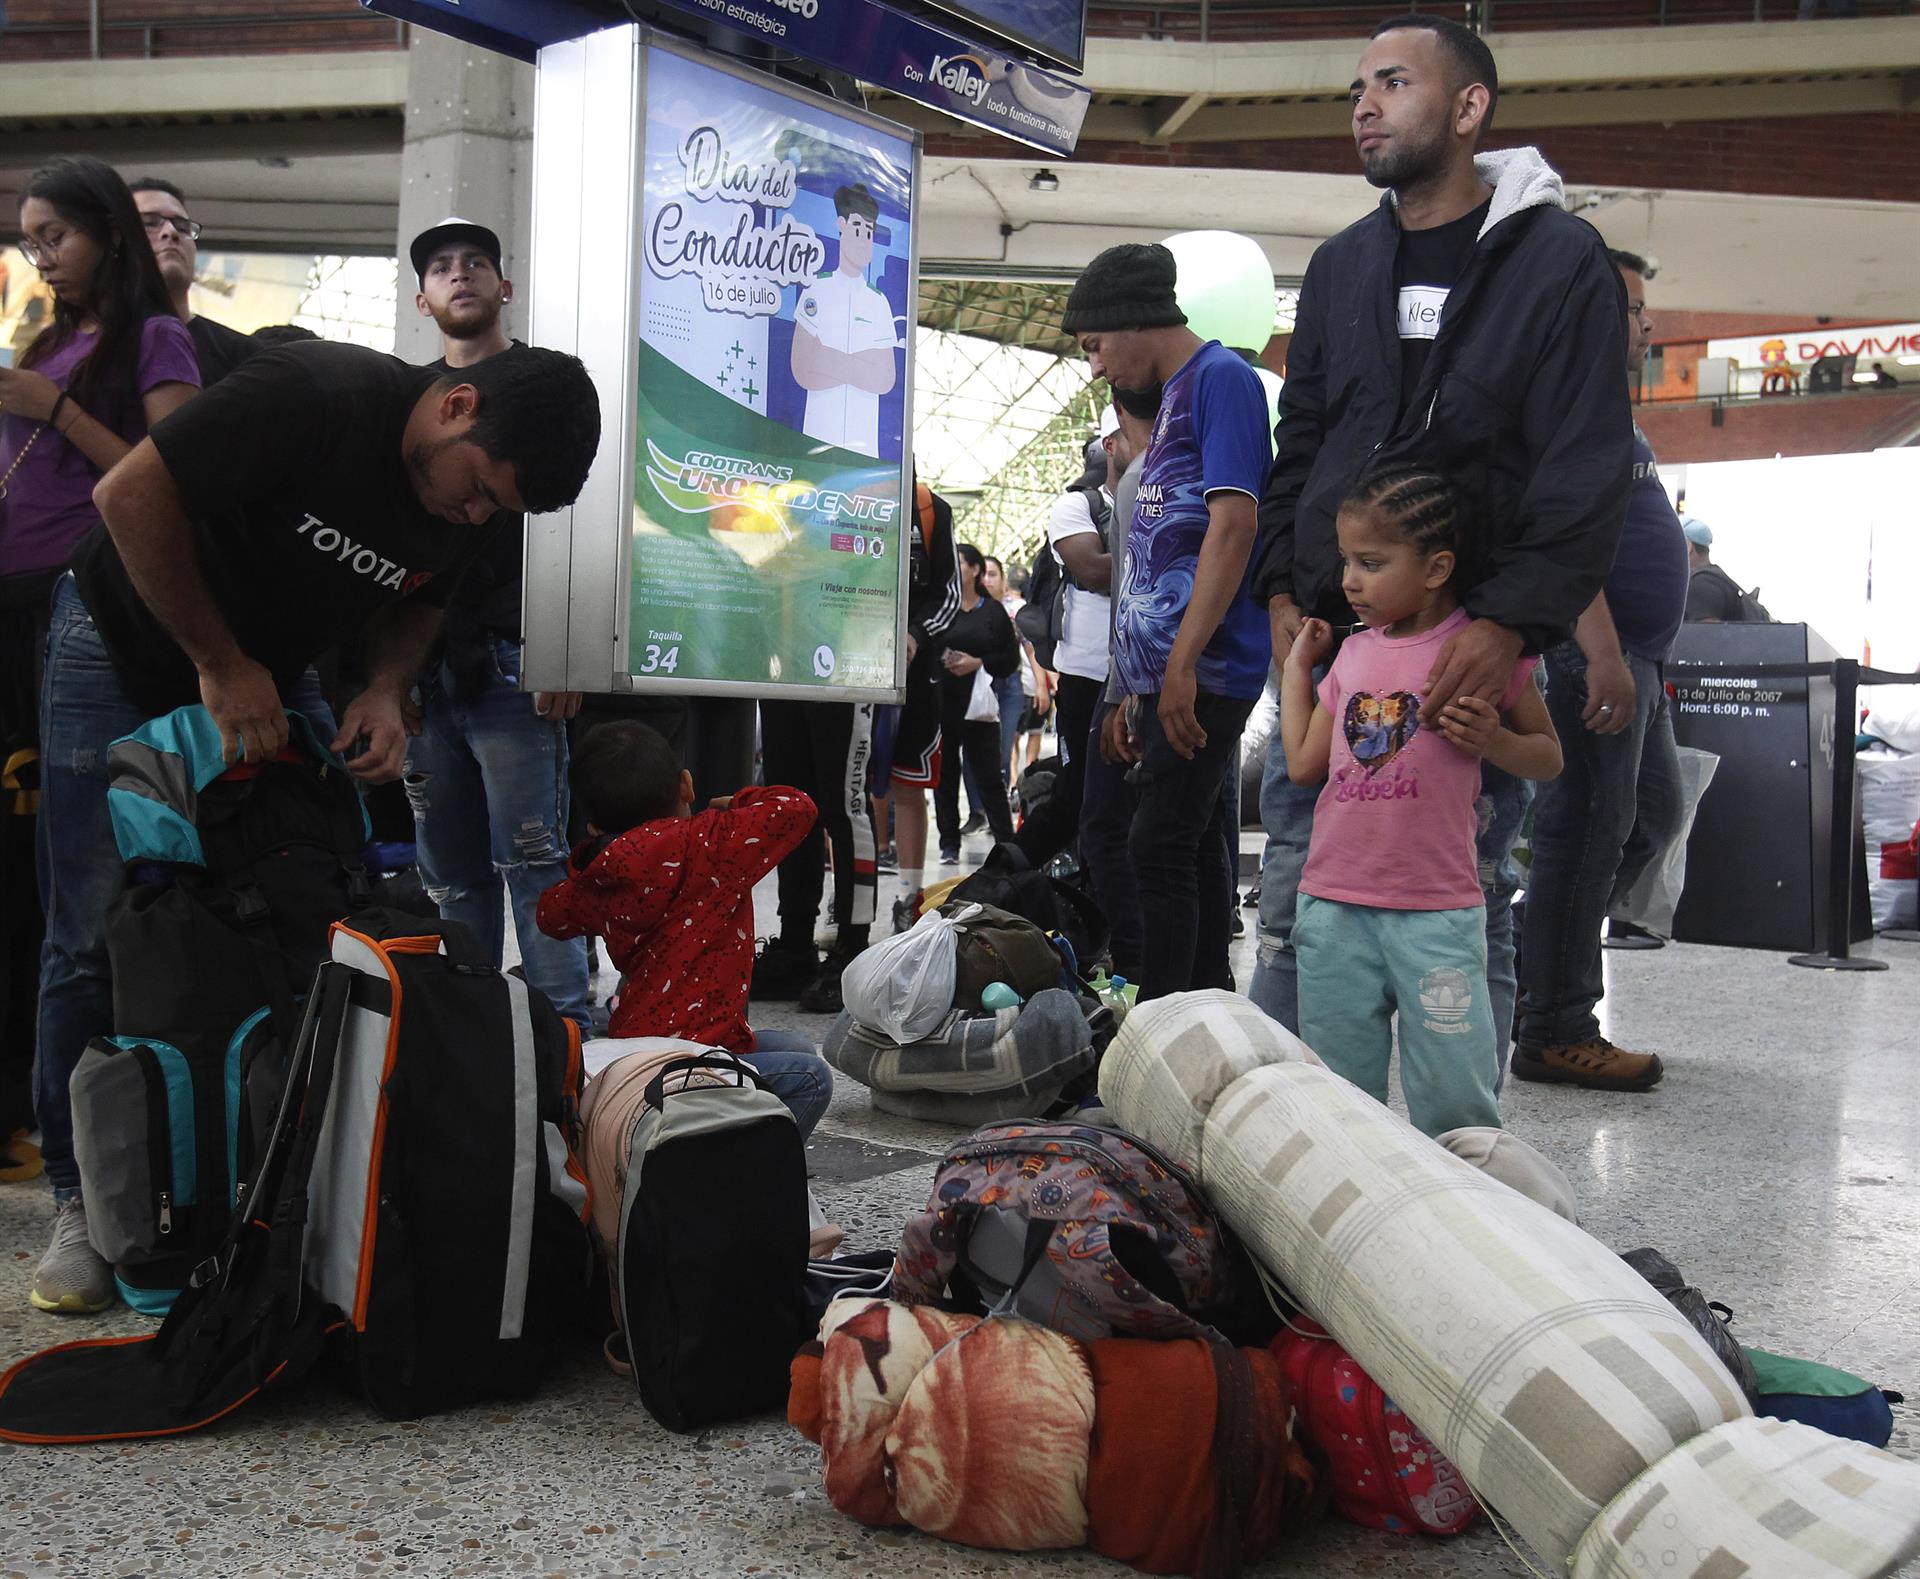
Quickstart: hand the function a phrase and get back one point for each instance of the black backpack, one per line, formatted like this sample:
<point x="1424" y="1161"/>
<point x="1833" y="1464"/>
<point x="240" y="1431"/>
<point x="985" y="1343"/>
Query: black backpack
<point x="1748" y="607"/>
<point x="234" y="876"/>
<point x="416" y="1206"/>
<point x="711" y="1274"/>
<point x="1007" y="881"/>
<point x="1043" y="619"/>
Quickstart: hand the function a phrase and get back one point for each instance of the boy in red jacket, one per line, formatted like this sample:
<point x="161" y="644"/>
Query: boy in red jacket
<point x="671" y="892"/>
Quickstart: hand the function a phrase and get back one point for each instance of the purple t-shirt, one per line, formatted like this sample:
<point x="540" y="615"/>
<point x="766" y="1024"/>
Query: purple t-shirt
<point x="49" y="503"/>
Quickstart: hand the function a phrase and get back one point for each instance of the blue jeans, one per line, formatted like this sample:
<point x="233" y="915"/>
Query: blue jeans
<point x="1286" y="812"/>
<point x="82" y="712"/>
<point x="1614" y="807"/>
<point x="795" y="1073"/>
<point x="1013" y="702"/>
<point x="487" y="779"/>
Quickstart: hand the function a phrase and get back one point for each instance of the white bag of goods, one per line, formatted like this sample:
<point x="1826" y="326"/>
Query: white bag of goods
<point x="902" y="986"/>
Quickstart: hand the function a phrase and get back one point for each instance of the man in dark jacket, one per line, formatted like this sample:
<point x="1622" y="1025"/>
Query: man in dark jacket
<point x="1472" y="325"/>
<point x="1616" y="803"/>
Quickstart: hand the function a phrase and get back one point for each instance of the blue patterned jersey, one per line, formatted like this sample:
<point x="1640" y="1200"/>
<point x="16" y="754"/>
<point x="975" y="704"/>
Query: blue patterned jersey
<point x="1211" y="436"/>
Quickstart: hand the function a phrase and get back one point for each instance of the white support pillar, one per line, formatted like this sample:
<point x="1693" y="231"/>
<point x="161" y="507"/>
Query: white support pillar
<point x="468" y="151"/>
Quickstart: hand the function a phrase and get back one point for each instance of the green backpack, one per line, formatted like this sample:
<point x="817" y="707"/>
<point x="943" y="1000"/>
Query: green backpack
<point x="1831" y="1400"/>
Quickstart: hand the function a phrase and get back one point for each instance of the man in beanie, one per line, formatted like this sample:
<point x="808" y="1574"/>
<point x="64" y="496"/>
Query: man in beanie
<point x="1191" y="649"/>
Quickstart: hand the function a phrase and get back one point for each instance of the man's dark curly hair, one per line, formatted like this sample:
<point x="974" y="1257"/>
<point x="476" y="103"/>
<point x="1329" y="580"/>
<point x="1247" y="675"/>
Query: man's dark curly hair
<point x="540" y="413"/>
<point x="624" y="773"/>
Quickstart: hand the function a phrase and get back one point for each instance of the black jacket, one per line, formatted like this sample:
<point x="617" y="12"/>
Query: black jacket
<point x="1523" y="402"/>
<point x="984" y="632"/>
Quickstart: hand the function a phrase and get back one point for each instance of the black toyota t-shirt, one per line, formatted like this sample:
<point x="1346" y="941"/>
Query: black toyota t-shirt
<point x="1428" y="265"/>
<point x="219" y="349"/>
<point x="488" y="594"/>
<point x="304" y="516"/>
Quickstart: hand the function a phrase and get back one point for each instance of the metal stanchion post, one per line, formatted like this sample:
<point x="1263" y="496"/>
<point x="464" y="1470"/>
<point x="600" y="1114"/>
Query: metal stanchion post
<point x="1846" y="695"/>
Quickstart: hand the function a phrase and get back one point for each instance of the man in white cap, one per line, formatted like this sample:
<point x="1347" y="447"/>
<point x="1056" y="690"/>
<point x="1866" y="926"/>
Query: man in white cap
<point x="487" y="774"/>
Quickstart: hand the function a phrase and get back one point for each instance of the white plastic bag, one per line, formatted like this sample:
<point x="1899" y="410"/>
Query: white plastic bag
<point x="902" y="986"/>
<point x="1889" y="807"/>
<point x="1654" y="897"/>
<point x="983" y="706"/>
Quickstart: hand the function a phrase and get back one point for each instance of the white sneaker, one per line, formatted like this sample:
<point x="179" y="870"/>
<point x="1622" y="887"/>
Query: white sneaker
<point x="73" y="1278"/>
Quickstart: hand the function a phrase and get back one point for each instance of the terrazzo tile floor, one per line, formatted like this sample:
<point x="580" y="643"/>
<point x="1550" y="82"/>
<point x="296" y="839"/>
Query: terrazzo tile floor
<point x="1778" y="1164"/>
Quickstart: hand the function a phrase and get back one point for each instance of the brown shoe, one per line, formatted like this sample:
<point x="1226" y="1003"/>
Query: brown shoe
<point x="1596" y="1064"/>
<point x="19" y="1159"/>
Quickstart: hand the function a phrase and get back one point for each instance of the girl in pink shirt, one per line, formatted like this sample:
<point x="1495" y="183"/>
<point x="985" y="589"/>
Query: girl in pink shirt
<point x="1391" y="914"/>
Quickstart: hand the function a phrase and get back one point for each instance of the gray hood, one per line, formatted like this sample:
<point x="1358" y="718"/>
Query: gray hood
<point x="1520" y="178"/>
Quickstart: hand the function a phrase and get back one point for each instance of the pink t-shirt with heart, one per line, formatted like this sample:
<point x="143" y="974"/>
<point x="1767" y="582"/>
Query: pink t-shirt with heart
<point x="1396" y="824"/>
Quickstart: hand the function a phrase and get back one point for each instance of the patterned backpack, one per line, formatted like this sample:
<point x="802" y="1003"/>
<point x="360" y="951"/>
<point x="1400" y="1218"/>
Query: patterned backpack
<point x="1081" y="1229"/>
<point x="1382" y="1470"/>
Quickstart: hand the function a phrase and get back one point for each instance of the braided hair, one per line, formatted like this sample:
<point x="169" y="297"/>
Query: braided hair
<point x="1426" y="509"/>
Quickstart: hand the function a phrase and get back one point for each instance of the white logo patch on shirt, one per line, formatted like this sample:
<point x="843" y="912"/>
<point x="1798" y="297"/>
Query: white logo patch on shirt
<point x="1419" y="310"/>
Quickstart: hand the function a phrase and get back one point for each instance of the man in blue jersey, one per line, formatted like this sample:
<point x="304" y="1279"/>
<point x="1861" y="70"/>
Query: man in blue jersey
<point x="1191" y="646"/>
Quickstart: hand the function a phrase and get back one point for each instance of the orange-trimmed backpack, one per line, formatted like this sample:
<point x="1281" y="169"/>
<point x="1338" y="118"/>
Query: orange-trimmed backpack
<point x="416" y="1205"/>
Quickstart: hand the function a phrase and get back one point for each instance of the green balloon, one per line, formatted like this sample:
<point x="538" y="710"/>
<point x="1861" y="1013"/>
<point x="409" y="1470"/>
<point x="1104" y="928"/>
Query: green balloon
<point x="1225" y="287"/>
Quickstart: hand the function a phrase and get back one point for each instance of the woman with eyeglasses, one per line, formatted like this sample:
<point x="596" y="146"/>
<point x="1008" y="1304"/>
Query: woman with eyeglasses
<point x="114" y="360"/>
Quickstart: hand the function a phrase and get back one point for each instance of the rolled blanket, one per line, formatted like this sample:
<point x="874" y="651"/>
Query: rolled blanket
<point x="873" y="1351"/>
<point x="1176" y="1456"/>
<point x="1156" y="1494"/>
<point x="990" y="1445"/>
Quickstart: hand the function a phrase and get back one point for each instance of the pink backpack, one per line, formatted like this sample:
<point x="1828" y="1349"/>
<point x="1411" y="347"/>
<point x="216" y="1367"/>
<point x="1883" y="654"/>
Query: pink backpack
<point x="1383" y="1471"/>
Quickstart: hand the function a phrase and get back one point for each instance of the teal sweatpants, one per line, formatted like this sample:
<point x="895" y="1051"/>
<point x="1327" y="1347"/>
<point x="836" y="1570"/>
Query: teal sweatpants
<point x="1358" y="964"/>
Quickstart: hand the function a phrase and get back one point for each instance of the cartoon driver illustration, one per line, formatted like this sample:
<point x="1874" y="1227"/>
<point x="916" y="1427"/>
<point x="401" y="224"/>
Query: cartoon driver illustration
<point x="844" y="342"/>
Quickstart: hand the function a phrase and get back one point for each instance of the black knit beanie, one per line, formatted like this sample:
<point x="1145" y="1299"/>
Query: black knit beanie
<point x="1126" y="287"/>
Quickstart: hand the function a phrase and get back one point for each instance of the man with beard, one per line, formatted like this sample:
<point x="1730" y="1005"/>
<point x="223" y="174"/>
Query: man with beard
<point x="317" y="491"/>
<point x="1470" y="325"/>
<point x="487" y="774"/>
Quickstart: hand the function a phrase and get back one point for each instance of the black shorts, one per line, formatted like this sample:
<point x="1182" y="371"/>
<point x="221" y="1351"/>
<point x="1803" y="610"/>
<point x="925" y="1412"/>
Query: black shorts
<point x="915" y="760"/>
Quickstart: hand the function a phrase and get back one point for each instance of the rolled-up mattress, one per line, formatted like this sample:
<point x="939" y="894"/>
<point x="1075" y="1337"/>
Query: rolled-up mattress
<point x="1541" y="1364"/>
<point x="1757" y="1498"/>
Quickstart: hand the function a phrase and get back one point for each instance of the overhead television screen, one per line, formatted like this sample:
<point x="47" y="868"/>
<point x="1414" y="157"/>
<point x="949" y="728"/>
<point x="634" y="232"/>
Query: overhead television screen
<point x="1053" y="29"/>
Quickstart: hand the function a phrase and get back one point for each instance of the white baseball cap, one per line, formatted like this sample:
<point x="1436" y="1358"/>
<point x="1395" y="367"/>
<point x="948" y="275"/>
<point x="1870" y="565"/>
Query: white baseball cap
<point x="1109" y="421"/>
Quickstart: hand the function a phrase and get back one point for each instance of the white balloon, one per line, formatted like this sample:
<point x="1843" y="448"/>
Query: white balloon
<point x="1224" y="285"/>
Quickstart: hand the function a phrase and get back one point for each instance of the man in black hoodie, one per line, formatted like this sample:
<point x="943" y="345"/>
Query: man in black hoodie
<point x="1469" y="324"/>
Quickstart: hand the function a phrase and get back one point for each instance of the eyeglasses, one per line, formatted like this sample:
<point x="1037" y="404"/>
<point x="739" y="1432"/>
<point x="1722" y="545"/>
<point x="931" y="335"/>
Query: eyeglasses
<point x="182" y="226"/>
<point x="41" y="253"/>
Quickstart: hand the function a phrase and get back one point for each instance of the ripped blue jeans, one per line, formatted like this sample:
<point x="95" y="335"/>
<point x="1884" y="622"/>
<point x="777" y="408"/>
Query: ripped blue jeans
<point x="487" y="779"/>
<point x="82" y="712"/>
